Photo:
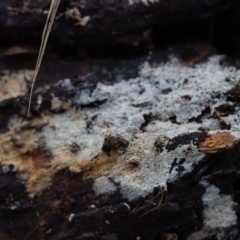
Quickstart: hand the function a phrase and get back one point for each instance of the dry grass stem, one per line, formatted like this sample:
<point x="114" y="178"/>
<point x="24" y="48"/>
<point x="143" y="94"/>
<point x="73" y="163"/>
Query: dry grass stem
<point x="160" y="194"/>
<point x="47" y="28"/>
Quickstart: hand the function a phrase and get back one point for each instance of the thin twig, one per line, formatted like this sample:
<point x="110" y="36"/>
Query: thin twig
<point x="30" y="233"/>
<point x="161" y="192"/>
<point x="47" y="29"/>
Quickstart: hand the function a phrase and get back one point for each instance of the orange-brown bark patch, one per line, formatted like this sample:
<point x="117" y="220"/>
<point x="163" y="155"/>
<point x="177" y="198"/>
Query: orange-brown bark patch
<point x="217" y="142"/>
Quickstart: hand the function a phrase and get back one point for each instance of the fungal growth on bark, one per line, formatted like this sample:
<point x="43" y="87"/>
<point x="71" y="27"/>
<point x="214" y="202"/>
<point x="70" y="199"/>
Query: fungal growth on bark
<point x="129" y="138"/>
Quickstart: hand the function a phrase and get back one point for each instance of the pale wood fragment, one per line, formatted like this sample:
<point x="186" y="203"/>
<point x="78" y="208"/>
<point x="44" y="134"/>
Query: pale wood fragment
<point x="217" y="142"/>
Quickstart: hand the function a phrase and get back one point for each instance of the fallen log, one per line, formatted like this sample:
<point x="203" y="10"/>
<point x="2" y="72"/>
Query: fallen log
<point x="127" y="149"/>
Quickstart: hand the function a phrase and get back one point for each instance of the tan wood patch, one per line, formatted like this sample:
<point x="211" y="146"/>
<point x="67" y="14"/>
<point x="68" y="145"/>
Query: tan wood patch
<point x="217" y="142"/>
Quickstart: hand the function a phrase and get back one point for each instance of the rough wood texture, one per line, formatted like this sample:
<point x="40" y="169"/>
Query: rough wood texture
<point x="175" y="177"/>
<point x="107" y="21"/>
<point x="217" y="142"/>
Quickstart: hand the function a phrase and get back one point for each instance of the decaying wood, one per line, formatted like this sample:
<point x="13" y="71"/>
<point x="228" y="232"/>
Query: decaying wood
<point x="217" y="142"/>
<point x="162" y="177"/>
<point x="111" y="22"/>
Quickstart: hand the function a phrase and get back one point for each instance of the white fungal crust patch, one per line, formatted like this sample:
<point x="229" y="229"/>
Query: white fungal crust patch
<point x="153" y="169"/>
<point x="65" y="83"/>
<point x="219" y="217"/>
<point x="163" y="90"/>
<point x="103" y="185"/>
<point x="68" y="128"/>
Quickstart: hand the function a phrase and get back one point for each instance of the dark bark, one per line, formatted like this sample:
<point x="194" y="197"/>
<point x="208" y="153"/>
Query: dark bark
<point x="70" y="209"/>
<point x="110" y="21"/>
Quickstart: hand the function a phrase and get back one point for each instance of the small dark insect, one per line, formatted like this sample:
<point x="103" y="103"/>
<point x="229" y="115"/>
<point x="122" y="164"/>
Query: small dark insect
<point x="114" y="142"/>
